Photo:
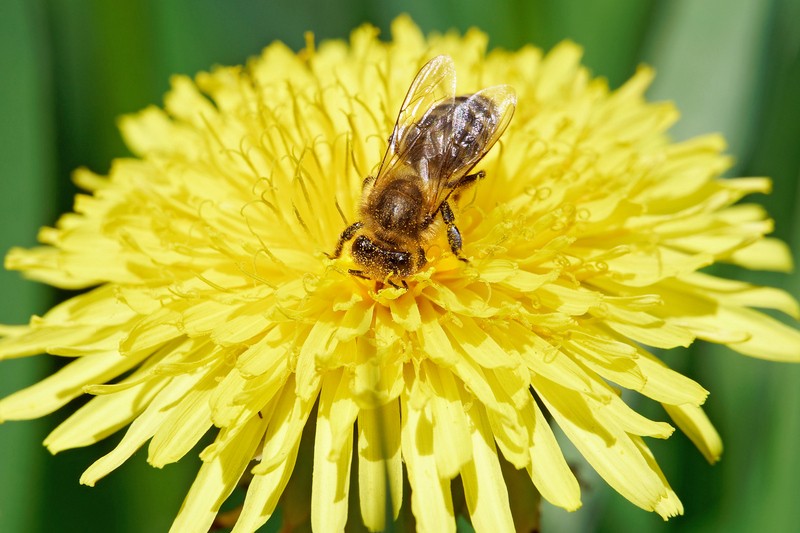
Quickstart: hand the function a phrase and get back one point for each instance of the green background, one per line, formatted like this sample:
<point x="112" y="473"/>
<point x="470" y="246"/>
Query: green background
<point x="69" y="68"/>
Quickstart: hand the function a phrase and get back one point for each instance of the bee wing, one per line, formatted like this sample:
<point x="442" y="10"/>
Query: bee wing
<point x="475" y="124"/>
<point x="435" y="83"/>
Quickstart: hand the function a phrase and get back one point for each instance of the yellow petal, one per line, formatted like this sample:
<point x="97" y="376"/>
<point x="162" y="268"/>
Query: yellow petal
<point x="633" y="423"/>
<point x="378" y="376"/>
<point x="142" y="428"/>
<point x="151" y="332"/>
<point x="610" y="450"/>
<point x="764" y="254"/>
<point x="356" y="321"/>
<point x="103" y="415"/>
<point x="242" y="326"/>
<point x="568" y="300"/>
<point x="669" y="505"/>
<point x="61" y="269"/>
<point x="405" y="312"/>
<point x="187" y="422"/>
<point x="264" y="355"/>
<point x="263" y="494"/>
<point x="511" y="435"/>
<point x="481" y="347"/>
<point x="642" y="268"/>
<point x="217" y="479"/>
<point x="695" y="424"/>
<point x="765" y="337"/>
<point x="451" y="434"/>
<point x="666" y="385"/>
<point x="635" y="369"/>
<point x="68" y="383"/>
<point x="331" y="481"/>
<point x="152" y="131"/>
<point x="431" y="500"/>
<point x="548" y="468"/>
<point x="91" y="321"/>
<point x="740" y="293"/>
<point x="316" y="348"/>
<point x="380" y="470"/>
<point x="289" y="415"/>
<point x="484" y="488"/>
<point x="433" y="339"/>
<point x="549" y="361"/>
<point x="657" y="334"/>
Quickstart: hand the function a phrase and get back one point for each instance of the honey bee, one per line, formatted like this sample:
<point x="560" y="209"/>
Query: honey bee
<point x="437" y="140"/>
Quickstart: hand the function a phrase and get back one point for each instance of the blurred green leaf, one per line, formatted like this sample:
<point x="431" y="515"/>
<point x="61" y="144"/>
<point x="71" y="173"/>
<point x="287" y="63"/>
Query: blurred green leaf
<point x="710" y="60"/>
<point x="26" y="175"/>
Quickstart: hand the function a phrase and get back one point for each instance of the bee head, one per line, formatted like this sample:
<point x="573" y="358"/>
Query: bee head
<point x="379" y="260"/>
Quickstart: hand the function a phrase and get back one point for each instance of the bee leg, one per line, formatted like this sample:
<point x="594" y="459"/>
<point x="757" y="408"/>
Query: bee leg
<point x="395" y="285"/>
<point x="453" y="235"/>
<point x="467" y="180"/>
<point x="358" y="273"/>
<point x="347" y="234"/>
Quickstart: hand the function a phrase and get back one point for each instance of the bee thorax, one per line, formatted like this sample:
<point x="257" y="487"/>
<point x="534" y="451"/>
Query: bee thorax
<point x="397" y="207"/>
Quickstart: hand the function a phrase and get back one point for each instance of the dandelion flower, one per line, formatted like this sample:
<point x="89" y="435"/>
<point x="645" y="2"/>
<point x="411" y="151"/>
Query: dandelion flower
<point x="212" y="308"/>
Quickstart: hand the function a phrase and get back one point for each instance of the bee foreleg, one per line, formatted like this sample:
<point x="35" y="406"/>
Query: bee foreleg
<point x="453" y="235"/>
<point x="358" y="273"/>
<point x="348" y="233"/>
<point x="395" y="285"/>
<point x="467" y="180"/>
<point x="369" y="180"/>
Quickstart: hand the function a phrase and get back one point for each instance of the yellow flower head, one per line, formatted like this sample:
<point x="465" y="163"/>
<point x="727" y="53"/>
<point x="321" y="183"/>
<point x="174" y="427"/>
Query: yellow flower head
<point x="215" y="306"/>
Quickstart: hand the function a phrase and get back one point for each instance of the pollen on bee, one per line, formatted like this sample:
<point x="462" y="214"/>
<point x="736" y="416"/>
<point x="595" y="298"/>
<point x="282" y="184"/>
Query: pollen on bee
<point x="438" y="139"/>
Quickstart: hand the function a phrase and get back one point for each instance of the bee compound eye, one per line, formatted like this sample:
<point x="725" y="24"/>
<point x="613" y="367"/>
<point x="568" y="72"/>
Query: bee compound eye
<point x="363" y="249"/>
<point x="401" y="262"/>
<point x="362" y="245"/>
